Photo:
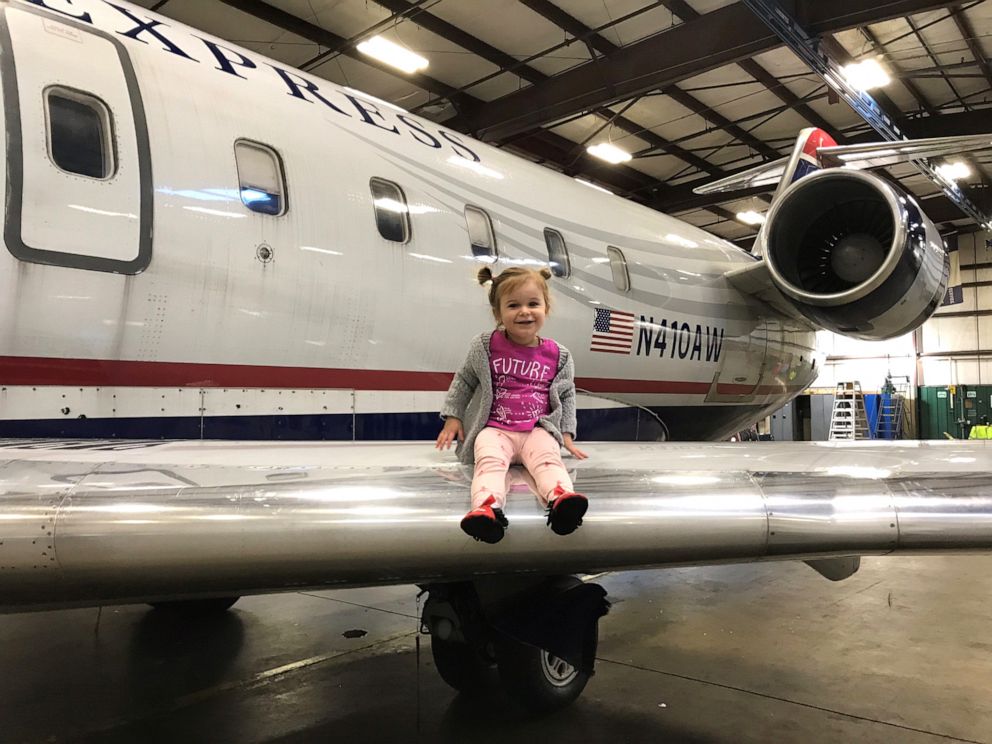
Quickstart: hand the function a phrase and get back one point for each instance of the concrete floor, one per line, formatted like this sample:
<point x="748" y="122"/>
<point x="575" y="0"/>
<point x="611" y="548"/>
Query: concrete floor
<point x="901" y="652"/>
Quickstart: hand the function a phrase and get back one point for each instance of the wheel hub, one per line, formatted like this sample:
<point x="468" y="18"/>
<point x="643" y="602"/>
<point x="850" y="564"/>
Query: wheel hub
<point x="557" y="671"/>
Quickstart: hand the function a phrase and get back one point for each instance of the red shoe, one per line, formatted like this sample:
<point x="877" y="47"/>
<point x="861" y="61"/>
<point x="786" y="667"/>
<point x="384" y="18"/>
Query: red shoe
<point x="565" y="511"/>
<point x="485" y="522"/>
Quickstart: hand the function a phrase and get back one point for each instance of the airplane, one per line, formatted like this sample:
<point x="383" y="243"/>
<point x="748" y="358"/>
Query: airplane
<point x="201" y="242"/>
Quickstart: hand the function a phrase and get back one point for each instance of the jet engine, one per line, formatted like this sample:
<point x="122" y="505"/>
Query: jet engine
<point x="855" y="254"/>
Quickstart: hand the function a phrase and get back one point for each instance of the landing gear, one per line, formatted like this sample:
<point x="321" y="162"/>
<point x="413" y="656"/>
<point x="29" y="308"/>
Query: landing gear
<point x="540" y="635"/>
<point x="537" y="679"/>
<point x="196" y="607"/>
<point x="464" y="667"/>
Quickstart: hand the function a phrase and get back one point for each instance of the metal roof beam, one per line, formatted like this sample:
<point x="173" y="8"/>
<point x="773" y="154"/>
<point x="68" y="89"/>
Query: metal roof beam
<point x="964" y="26"/>
<point x="759" y="73"/>
<point x="509" y="63"/>
<point x="721" y="37"/>
<point x="817" y="56"/>
<point x="579" y="30"/>
<point x="463" y="39"/>
<point x="319" y="35"/>
<point x="899" y="73"/>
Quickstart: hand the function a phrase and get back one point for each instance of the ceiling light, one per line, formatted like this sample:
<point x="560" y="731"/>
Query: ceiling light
<point x="751" y="217"/>
<point x="392" y="54"/>
<point x="593" y="186"/>
<point x="609" y="153"/>
<point x="954" y="171"/>
<point x="866" y="75"/>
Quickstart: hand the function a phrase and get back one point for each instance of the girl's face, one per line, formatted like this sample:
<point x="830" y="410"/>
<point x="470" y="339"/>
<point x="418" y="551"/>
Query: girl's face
<point x="522" y="313"/>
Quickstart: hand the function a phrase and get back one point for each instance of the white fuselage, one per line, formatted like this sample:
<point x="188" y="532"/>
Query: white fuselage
<point x="157" y="293"/>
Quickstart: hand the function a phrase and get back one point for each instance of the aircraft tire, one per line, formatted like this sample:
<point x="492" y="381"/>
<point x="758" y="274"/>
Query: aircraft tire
<point x="535" y="678"/>
<point x="463" y="667"/>
<point x="192" y="607"/>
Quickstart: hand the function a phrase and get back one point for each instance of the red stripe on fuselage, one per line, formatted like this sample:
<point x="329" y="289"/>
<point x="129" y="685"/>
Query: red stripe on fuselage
<point x="124" y="373"/>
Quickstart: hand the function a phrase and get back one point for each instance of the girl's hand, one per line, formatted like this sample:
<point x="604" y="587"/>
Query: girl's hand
<point x="575" y="451"/>
<point x="452" y="430"/>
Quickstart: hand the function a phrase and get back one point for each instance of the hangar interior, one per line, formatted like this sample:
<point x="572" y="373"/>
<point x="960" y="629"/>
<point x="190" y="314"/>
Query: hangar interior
<point x="691" y="91"/>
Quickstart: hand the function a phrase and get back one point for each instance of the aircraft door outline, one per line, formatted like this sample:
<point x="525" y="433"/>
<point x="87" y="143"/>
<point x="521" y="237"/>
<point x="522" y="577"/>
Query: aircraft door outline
<point x="60" y="217"/>
<point x="742" y="367"/>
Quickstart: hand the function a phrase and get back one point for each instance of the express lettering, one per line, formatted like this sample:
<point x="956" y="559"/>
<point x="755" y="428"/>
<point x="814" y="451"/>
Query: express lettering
<point x="303" y="88"/>
<point x="673" y="337"/>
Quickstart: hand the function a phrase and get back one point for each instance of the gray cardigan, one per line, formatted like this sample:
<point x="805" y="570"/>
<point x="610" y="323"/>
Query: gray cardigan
<point x="470" y="397"/>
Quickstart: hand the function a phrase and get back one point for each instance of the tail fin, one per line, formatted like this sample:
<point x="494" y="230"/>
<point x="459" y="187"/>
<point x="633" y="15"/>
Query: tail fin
<point x="803" y="160"/>
<point x="805" y="157"/>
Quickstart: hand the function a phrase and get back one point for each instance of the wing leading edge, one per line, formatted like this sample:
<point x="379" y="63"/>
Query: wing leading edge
<point x="199" y="519"/>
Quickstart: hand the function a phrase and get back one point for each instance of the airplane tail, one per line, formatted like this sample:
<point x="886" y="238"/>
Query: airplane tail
<point x="805" y="158"/>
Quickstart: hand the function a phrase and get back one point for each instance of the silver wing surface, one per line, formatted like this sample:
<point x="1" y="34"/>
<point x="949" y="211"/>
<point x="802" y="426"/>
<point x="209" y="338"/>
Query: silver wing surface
<point x="90" y="523"/>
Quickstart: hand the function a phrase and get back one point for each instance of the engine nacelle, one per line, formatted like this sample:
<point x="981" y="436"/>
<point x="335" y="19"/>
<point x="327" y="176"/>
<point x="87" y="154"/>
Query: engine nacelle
<point x="855" y="254"/>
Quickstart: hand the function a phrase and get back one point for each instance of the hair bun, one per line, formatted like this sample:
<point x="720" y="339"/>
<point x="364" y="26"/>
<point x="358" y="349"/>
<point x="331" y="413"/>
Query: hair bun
<point x="546" y="273"/>
<point x="485" y="275"/>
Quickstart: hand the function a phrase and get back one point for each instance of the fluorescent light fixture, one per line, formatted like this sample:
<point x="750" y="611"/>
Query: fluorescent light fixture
<point x="591" y="185"/>
<point x="609" y="153"/>
<point x="751" y="217"/>
<point x="954" y="171"/>
<point x="866" y="75"/>
<point x="392" y="54"/>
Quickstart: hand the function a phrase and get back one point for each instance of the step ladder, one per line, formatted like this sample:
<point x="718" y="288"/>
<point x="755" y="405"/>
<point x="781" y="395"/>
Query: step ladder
<point x="891" y="406"/>
<point x="849" y="420"/>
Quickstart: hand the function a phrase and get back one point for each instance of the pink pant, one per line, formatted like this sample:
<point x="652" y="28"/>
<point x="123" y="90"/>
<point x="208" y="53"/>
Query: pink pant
<point x="496" y="450"/>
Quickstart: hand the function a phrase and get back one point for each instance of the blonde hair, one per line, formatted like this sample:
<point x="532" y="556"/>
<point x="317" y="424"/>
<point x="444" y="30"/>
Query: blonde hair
<point x="509" y="279"/>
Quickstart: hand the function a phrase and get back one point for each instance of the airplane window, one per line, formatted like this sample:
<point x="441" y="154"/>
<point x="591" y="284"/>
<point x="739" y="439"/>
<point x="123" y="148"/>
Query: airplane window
<point x="392" y="216"/>
<point x="621" y="278"/>
<point x="557" y="253"/>
<point x="79" y="136"/>
<point x="480" y="232"/>
<point x="260" y="177"/>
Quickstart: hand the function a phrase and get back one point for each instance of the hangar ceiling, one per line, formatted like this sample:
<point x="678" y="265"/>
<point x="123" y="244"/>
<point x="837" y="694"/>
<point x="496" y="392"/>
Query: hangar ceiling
<point x="695" y="89"/>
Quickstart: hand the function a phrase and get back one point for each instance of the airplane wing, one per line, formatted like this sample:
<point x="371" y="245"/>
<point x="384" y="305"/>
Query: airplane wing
<point x="857" y="157"/>
<point x="88" y="523"/>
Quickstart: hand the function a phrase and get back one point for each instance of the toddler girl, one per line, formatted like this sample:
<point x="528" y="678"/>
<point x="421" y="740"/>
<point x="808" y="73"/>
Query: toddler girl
<point x="513" y="400"/>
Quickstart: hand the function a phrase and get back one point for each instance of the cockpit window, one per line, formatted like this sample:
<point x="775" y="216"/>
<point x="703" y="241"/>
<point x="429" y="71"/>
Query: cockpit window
<point x="79" y="133"/>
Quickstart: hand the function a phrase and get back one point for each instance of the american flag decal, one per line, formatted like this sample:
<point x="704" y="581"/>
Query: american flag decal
<point x="612" y="332"/>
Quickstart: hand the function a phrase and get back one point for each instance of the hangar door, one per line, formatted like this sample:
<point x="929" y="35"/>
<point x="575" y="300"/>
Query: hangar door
<point x="79" y="165"/>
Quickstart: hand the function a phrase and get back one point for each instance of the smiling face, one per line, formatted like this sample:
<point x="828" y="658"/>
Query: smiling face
<point x="522" y="312"/>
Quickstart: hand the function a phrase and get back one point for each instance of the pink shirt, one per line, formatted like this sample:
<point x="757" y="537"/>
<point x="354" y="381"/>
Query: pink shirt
<point x="522" y="376"/>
